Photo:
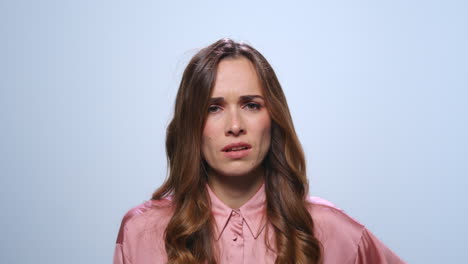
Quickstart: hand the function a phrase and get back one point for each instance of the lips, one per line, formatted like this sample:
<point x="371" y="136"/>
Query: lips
<point x="240" y="146"/>
<point x="237" y="151"/>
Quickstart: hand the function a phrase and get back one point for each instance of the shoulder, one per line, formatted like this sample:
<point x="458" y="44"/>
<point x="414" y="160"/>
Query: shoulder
<point x="322" y="210"/>
<point x="344" y="239"/>
<point x="150" y="215"/>
<point x="337" y="231"/>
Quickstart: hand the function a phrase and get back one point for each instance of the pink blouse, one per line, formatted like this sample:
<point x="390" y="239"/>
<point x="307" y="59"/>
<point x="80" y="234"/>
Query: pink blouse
<point x="240" y="234"/>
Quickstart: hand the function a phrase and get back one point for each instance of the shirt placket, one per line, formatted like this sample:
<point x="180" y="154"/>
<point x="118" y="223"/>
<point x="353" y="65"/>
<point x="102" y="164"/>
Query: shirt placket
<point x="236" y="251"/>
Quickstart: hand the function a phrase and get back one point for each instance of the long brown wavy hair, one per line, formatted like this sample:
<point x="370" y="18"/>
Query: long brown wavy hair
<point x="189" y="234"/>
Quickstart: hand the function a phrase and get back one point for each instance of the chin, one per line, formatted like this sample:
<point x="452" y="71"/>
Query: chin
<point x="235" y="171"/>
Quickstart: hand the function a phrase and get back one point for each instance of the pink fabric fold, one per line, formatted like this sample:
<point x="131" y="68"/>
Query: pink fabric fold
<point x="372" y="250"/>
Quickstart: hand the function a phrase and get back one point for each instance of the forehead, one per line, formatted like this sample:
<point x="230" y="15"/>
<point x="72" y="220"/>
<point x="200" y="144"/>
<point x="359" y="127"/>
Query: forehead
<point x="235" y="77"/>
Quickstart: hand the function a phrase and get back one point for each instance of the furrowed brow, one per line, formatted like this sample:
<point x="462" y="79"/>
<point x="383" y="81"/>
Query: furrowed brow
<point x="250" y="97"/>
<point x="216" y="100"/>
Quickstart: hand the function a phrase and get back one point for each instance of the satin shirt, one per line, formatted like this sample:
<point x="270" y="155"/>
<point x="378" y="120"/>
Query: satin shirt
<point x="240" y="234"/>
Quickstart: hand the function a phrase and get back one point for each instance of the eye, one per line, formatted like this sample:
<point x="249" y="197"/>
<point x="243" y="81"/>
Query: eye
<point x="252" y="106"/>
<point x="214" y="109"/>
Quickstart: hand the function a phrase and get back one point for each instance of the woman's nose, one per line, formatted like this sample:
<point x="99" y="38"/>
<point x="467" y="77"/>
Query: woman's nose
<point x="234" y="124"/>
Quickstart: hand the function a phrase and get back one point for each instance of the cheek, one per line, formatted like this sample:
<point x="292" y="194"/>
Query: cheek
<point x="206" y="142"/>
<point x="264" y="125"/>
<point x="209" y="133"/>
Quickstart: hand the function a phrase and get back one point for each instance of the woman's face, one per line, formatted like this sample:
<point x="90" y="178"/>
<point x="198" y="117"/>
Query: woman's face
<point x="237" y="133"/>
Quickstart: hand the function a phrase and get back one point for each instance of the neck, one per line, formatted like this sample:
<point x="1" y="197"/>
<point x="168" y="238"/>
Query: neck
<point x="234" y="191"/>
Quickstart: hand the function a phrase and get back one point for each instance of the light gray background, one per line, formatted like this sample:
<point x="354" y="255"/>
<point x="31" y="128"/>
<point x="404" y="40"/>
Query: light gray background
<point x="377" y="89"/>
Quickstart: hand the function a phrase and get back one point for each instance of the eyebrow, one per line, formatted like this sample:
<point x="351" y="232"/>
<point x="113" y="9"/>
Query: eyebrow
<point x="243" y="98"/>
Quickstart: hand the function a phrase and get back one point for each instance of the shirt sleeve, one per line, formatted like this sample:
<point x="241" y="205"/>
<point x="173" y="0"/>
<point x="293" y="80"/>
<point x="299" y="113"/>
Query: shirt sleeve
<point x="372" y="251"/>
<point x="121" y="252"/>
<point x="134" y="236"/>
<point x="120" y="256"/>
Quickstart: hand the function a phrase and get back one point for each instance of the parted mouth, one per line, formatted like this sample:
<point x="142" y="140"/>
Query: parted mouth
<point x="236" y="147"/>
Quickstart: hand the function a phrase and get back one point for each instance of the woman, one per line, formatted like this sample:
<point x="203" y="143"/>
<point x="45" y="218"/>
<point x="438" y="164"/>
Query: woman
<point x="237" y="190"/>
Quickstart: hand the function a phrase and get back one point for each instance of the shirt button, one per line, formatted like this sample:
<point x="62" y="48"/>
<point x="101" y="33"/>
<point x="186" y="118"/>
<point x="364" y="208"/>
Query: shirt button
<point x="234" y="238"/>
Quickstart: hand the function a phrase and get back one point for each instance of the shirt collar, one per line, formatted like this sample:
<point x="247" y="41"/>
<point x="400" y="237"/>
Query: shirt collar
<point x="253" y="212"/>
